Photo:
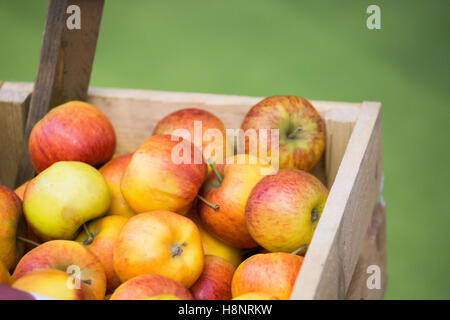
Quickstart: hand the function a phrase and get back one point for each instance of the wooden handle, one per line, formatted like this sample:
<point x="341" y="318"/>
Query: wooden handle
<point x="65" y="64"/>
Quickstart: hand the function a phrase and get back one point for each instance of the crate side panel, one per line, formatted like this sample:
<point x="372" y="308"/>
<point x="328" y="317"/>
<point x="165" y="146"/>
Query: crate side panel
<point x="331" y="259"/>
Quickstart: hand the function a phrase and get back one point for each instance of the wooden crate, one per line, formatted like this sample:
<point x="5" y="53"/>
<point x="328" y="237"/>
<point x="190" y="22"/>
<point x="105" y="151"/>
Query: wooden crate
<point x="351" y="233"/>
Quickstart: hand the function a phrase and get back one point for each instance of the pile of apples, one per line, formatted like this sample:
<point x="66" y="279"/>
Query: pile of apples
<point x="91" y="225"/>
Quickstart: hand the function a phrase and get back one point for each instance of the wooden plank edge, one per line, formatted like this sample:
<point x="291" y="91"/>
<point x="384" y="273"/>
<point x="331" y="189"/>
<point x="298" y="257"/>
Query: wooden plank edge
<point x="327" y="268"/>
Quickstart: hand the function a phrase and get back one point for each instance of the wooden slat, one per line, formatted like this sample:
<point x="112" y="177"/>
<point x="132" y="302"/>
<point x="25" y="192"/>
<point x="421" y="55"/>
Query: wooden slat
<point x="373" y="253"/>
<point x="13" y="112"/>
<point x="334" y="251"/>
<point x="64" y="67"/>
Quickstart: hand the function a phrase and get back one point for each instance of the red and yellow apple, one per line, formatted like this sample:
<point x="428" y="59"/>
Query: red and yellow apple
<point x="283" y="210"/>
<point x="66" y="256"/>
<point x="301" y="130"/>
<point x="239" y="175"/>
<point x="160" y="242"/>
<point x="11" y="226"/>
<point x="20" y="191"/>
<point x="74" y="131"/>
<point x="214" y="246"/>
<point x="63" y="197"/>
<point x="113" y="171"/>
<point x="256" y="296"/>
<point x="163" y="175"/>
<point x="54" y="284"/>
<point x="5" y="278"/>
<point x="215" y="281"/>
<point x="99" y="237"/>
<point x="271" y="273"/>
<point x="201" y="127"/>
<point x="151" y="286"/>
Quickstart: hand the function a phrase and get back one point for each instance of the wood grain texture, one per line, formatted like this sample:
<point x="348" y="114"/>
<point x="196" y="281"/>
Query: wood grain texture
<point x="373" y="252"/>
<point x="64" y="67"/>
<point x="13" y="111"/>
<point x="334" y="251"/>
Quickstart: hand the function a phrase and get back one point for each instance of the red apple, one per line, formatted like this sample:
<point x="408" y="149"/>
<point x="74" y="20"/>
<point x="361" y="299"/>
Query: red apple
<point x="164" y="174"/>
<point x="74" y="131"/>
<point x="271" y="273"/>
<point x="301" y="130"/>
<point x="215" y="281"/>
<point x="67" y="256"/>
<point x="12" y="225"/>
<point x="150" y="285"/>
<point x="283" y="210"/>
<point x="160" y="242"/>
<point x="196" y="123"/>
<point x="239" y="175"/>
<point x="113" y="171"/>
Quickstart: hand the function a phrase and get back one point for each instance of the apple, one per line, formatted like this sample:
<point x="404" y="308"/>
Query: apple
<point x="271" y="273"/>
<point x="239" y="175"/>
<point x="21" y="190"/>
<point x="12" y="226"/>
<point x="155" y="180"/>
<point x="113" y="171"/>
<point x="99" y="237"/>
<point x="215" y="281"/>
<point x="256" y="296"/>
<point x="301" y="130"/>
<point x="74" y="131"/>
<point x="163" y="297"/>
<point x="5" y="278"/>
<point x="214" y="246"/>
<point x="63" y="197"/>
<point x="196" y="123"/>
<point x="54" y="284"/>
<point x="160" y="242"/>
<point x="67" y="256"/>
<point x="151" y="285"/>
<point x="283" y="210"/>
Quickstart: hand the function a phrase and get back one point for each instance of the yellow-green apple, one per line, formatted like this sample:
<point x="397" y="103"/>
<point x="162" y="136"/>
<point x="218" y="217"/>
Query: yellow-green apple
<point x="214" y="246"/>
<point x="215" y="281"/>
<point x="160" y="242"/>
<point x="5" y="278"/>
<point x="74" y="131"/>
<point x="67" y="256"/>
<point x="256" y="296"/>
<point x="63" y="197"/>
<point x="12" y="226"/>
<point x="283" y="210"/>
<point x="164" y="175"/>
<point x="301" y="130"/>
<point x="99" y="237"/>
<point x="151" y="285"/>
<point x="54" y="284"/>
<point x="229" y="190"/>
<point x="113" y="171"/>
<point x="201" y="127"/>
<point x="270" y="273"/>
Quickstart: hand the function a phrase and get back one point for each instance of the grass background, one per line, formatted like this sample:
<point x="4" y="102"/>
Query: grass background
<point x="317" y="49"/>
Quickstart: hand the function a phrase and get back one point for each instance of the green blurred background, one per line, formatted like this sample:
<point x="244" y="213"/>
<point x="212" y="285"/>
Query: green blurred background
<point x="318" y="49"/>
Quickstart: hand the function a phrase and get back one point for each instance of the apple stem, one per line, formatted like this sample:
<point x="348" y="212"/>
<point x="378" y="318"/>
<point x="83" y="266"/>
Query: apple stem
<point x="302" y="248"/>
<point x="28" y="241"/>
<point x="90" y="237"/>
<point x="294" y="133"/>
<point x="210" y="204"/>
<point x="214" y="169"/>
